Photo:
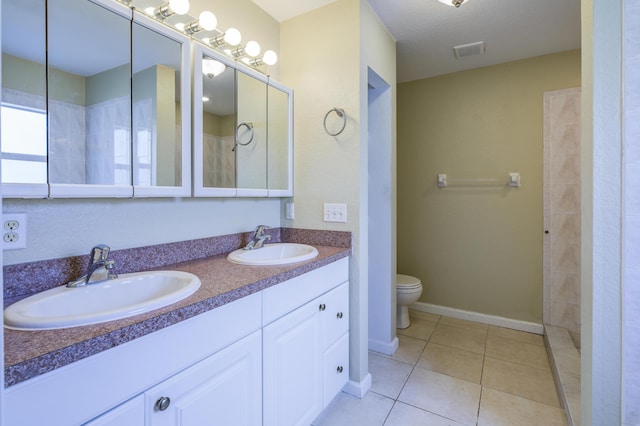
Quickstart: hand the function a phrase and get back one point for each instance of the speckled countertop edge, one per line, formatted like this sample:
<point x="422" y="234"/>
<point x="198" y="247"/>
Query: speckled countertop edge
<point x="31" y="353"/>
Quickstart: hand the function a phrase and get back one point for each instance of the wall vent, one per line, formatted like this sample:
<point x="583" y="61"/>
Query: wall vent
<point x="470" y="49"/>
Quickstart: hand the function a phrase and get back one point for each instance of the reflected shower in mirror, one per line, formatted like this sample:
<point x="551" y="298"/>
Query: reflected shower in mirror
<point x="89" y="94"/>
<point x="218" y="124"/>
<point x="24" y="120"/>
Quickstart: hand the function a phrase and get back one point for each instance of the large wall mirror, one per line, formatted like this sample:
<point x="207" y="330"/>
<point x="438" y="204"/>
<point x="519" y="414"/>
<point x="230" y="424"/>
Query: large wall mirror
<point x="103" y="93"/>
<point x="161" y="102"/>
<point x="24" y="104"/>
<point x="242" y="130"/>
<point x="89" y="99"/>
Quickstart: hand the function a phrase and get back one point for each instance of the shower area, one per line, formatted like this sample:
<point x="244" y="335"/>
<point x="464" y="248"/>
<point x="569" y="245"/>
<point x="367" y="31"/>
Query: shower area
<point x="561" y="277"/>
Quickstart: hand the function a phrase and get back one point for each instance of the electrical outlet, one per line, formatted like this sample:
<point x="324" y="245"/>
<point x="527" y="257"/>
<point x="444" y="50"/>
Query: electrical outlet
<point x="335" y="212"/>
<point x="15" y="231"/>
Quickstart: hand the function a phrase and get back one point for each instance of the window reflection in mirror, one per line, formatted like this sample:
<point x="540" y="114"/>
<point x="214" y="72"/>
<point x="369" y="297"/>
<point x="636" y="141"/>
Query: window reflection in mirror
<point x="278" y="139"/>
<point x="251" y="138"/>
<point x="218" y="124"/>
<point x="89" y="88"/>
<point x="24" y="138"/>
<point x="157" y="122"/>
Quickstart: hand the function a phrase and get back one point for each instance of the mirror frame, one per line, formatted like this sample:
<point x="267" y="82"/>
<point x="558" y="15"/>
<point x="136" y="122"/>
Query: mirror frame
<point x="63" y="190"/>
<point x="184" y="190"/>
<point x="288" y="191"/>
<point x="199" y="190"/>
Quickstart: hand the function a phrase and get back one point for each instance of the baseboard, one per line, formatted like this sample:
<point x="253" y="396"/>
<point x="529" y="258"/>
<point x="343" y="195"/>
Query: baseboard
<point x="529" y="327"/>
<point x="387" y="348"/>
<point x="358" y="389"/>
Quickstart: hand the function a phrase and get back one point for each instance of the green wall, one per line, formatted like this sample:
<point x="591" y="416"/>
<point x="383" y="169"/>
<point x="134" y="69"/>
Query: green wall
<point x="477" y="248"/>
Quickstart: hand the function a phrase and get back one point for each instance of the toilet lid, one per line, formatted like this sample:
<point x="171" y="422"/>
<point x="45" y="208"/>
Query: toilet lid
<point x="407" y="281"/>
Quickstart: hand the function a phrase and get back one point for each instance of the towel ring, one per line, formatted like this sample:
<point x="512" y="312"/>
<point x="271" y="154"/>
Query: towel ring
<point x="249" y="127"/>
<point x="340" y="112"/>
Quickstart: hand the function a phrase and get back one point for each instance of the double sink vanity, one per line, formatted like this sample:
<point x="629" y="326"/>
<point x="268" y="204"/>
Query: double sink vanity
<point x="252" y="345"/>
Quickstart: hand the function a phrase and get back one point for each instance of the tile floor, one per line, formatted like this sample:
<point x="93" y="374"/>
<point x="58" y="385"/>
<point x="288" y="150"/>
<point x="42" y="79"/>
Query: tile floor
<point x="454" y="372"/>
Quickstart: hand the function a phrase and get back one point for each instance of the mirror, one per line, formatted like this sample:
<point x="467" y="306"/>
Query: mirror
<point x="279" y="131"/>
<point x="161" y="98"/>
<point x="251" y="134"/>
<point x="24" y="119"/>
<point x="214" y="121"/>
<point x="89" y="92"/>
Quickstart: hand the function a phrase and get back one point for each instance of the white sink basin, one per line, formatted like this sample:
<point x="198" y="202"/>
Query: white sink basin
<point x="274" y="254"/>
<point x="125" y="296"/>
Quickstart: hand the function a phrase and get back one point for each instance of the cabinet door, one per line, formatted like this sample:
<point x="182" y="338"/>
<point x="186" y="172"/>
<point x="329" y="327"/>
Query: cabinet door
<point x="335" y="316"/>
<point x="335" y="368"/>
<point x="293" y="368"/>
<point x="223" y="389"/>
<point x="131" y="413"/>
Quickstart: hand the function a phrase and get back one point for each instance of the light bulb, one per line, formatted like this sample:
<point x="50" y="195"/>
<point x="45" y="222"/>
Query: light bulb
<point x="180" y="7"/>
<point x="208" y="20"/>
<point x="151" y="11"/>
<point x="232" y="37"/>
<point x="180" y="26"/>
<point x="252" y="49"/>
<point x="270" y="57"/>
<point x="205" y="99"/>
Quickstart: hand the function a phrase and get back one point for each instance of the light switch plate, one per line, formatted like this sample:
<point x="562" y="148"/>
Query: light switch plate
<point x="335" y="212"/>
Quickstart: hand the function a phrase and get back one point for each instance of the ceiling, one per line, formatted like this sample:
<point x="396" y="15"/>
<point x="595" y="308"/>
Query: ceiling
<point x="426" y="30"/>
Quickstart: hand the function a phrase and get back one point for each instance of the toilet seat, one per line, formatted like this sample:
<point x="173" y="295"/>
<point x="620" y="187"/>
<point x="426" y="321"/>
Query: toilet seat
<point x="406" y="282"/>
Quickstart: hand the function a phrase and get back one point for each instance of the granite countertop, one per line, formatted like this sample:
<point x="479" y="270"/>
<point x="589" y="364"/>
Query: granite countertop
<point x="31" y="353"/>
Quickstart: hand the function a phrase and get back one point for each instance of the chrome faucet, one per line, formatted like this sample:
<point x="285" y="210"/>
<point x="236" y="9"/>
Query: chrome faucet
<point x="259" y="237"/>
<point x="98" y="262"/>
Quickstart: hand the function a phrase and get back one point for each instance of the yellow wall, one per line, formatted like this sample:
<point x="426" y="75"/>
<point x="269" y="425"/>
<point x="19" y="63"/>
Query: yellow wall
<point x="477" y="249"/>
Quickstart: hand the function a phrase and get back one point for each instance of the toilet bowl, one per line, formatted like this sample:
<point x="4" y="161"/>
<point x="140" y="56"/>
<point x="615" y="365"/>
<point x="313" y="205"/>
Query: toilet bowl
<point x="408" y="291"/>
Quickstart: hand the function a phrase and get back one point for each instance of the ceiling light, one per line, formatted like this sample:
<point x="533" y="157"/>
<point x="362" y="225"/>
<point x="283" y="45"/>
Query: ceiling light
<point x="212" y="68"/>
<point x="456" y="3"/>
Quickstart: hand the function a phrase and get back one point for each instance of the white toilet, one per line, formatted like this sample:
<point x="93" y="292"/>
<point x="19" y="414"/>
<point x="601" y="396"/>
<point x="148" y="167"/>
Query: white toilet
<point x="408" y="291"/>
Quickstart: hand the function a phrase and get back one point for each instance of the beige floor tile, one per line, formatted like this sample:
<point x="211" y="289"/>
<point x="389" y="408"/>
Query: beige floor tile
<point x="423" y="315"/>
<point x="406" y="415"/>
<point x="388" y="376"/>
<point x="521" y="380"/>
<point x="347" y="410"/>
<point x="409" y="350"/>
<point x="453" y="362"/>
<point x="517" y="352"/>
<point x="445" y="396"/>
<point x="461" y="338"/>
<point x="419" y="329"/>
<point x="520" y="336"/>
<point x="469" y="325"/>
<point x="502" y="409"/>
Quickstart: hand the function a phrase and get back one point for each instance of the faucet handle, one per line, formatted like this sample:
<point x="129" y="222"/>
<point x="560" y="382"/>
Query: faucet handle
<point x="110" y="265"/>
<point x="99" y="253"/>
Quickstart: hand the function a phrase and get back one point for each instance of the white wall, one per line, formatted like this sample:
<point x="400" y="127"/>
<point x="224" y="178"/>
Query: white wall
<point x="327" y="58"/>
<point x="602" y="212"/>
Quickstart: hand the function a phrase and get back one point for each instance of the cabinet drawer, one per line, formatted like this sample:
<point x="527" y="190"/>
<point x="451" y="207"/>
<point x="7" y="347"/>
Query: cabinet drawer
<point x="335" y="317"/>
<point x="336" y="368"/>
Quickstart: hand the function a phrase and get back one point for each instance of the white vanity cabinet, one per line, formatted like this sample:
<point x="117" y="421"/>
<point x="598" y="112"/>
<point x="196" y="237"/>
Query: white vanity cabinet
<point x="276" y="357"/>
<point x="306" y="350"/>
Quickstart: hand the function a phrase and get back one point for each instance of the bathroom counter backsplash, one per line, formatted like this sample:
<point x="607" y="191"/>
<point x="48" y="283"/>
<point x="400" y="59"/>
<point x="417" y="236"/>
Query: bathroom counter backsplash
<point x="31" y="353"/>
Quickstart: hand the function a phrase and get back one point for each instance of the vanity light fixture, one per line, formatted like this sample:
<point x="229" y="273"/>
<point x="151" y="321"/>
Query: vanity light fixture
<point x="456" y="3"/>
<point x="231" y="37"/>
<point x="174" y="7"/>
<point x="269" y="58"/>
<point x="206" y="21"/>
<point x="212" y="68"/>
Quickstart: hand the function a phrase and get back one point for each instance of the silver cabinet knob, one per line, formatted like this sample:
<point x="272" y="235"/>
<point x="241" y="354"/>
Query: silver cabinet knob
<point x="322" y="307"/>
<point x="339" y="315"/>
<point x="163" y="403"/>
<point x="339" y="369"/>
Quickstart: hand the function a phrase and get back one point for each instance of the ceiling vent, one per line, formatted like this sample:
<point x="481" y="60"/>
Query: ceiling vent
<point x="470" y="49"/>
